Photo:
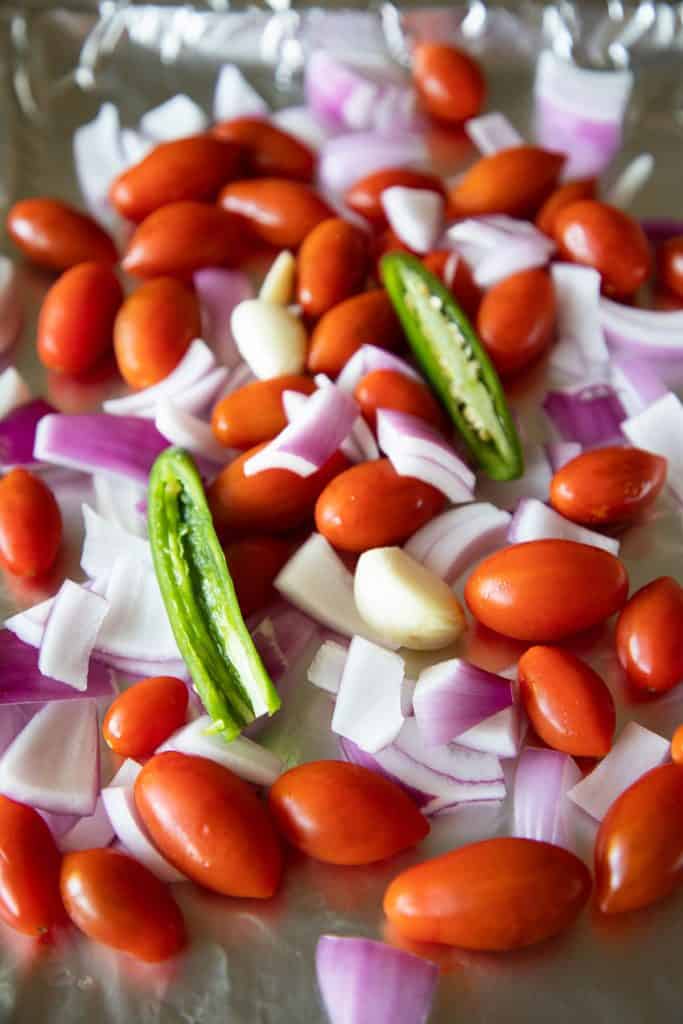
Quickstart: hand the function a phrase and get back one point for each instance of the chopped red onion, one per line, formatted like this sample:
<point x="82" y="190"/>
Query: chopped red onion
<point x="312" y="438"/>
<point x="120" y="502"/>
<point x="368" y="707"/>
<point x="327" y="667"/>
<point x="12" y="720"/>
<point x="173" y="119"/>
<point x="367" y="982"/>
<point x="630" y="181"/>
<point x="542" y="781"/>
<point x="219" y="291"/>
<point x="415" y="215"/>
<point x="289" y="632"/>
<point x="648" y="333"/>
<point x="453" y="541"/>
<point x="659" y="429"/>
<point x="29" y="625"/>
<point x="105" y="541"/>
<point x="344" y="97"/>
<point x="98" y="159"/>
<point x="23" y="682"/>
<point x="359" y="445"/>
<point x="497" y="246"/>
<point x="637" y="382"/>
<point x="533" y="520"/>
<point x="134" y="146"/>
<point x="188" y="432"/>
<point x="635" y="751"/>
<point x="14" y="392"/>
<point x="125" y="446"/>
<point x="119" y="804"/>
<point x="591" y="415"/>
<point x="415" y="448"/>
<point x="561" y="452"/>
<point x="18" y="432"/>
<point x="580" y="350"/>
<point x="368" y="358"/>
<point x="136" y="625"/>
<point x="70" y="633"/>
<point x="53" y="762"/>
<point x="242" y="756"/>
<point x="407" y="697"/>
<point x="661" y="229"/>
<point x="347" y="158"/>
<point x="304" y="125"/>
<point x="451" y="759"/>
<point x="89" y="833"/>
<point x="455" y="695"/>
<point x="430" y="472"/>
<point x="234" y="97"/>
<point x="492" y="132"/>
<point x="126" y="774"/>
<point x="501" y="734"/>
<point x="11" y="310"/>
<point x="200" y="396"/>
<point x="142" y="668"/>
<point x="197" y="362"/>
<point x="59" y="824"/>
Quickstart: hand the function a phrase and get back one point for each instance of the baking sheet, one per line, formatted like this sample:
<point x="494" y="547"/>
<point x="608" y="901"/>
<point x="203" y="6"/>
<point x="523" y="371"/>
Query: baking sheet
<point x="250" y="962"/>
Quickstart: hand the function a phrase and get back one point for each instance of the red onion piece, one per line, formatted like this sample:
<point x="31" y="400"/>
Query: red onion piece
<point x="368" y="358"/>
<point x="492" y="132"/>
<point x="200" y="396"/>
<point x="120" y="806"/>
<point x="535" y="521"/>
<point x="635" y="751"/>
<point x="366" y="982"/>
<point x="70" y="633"/>
<point x="327" y="668"/>
<point x="344" y="97"/>
<point x="14" y="392"/>
<point x="542" y="780"/>
<point x="368" y="707"/>
<point x="430" y="472"/>
<point x="12" y="720"/>
<point x="289" y="631"/>
<point x="233" y="96"/>
<point x="197" y="362"/>
<point x="53" y="762"/>
<point x="136" y="625"/>
<point x="98" y="158"/>
<point x="89" y="833"/>
<point x="501" y="734"/>
<point x="591" y="415"/>
<point x="561" y="452"/>
<point x="451" y="760"/>
<point x="121" y="502"/>
<point x="637" y="381"/>
<point x="415" y="215"/>
<point x="219" y="291"/>
<point x="18" y="432"/>
<point x="173" y="119"/>
<point x="646" y="333"/>
<point x="242" y="756"/>
<point x="125" y="446"/>
<point x="659" y="429"/>
<point x="497" y="246"/>
<point x="580" y="351"/>
<point x="189" y="432"/>
<point x="452" y="696"/>
<point x="104" y="541"/>
<point x="22" y="681"/>
<point x="399" y="433"/>
<point x="347" y="158"/>
<point x="630" y="181"/>
<point x="453" y="541"/>
<point x="11" y="310"/>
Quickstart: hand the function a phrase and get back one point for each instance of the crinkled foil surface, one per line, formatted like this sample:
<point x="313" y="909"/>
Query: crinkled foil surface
<point x="253" y="963"/>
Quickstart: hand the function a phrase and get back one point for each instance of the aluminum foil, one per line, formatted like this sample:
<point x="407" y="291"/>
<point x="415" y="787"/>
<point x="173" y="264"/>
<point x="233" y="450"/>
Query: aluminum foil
<point x="253" y="963"/>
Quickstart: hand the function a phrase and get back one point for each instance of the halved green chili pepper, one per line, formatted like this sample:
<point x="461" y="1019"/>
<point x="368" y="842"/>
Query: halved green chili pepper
<point x="455" y="363"/>
<point x="200" y="598"/>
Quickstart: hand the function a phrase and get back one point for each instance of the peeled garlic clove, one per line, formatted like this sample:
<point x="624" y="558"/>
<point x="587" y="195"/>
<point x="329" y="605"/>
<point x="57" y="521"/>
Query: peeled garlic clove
<point x="269" y="337"/>
<point x="278" y="284"/>
<point x="404" y="602"/>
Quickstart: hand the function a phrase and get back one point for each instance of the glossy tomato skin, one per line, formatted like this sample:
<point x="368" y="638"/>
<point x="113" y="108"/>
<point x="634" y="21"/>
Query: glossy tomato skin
<point x="57" y="236"/>
<point x="366" y="319"/>
<point x="677" y="746"/>
<point x="272" y="501"/>
<point x="639" y="845"/>
<point x="570" y="192"/>
<point x="117" y="901"/>
<point x="29" y="872"/>
<point x="670" y="265"/>
<point x="601" y="236"/>
<point x="210" y="825"/>
<point x="267" y="150"/>
<point x="153" y="330"/>
<point x="145" y="715"/>
<point x="567" y="702"/>
<point x="254" y="413"/>
<point x="332" y="265"/>
<point x="275" y="210"/>
<point x="373" y="506"/>
<point x="30" y="524"/>
<point x="365" y="195"/>
<point x="182" y="237"/>
<point x="608" y="486"/>
<point x="544" y="591"/>
<point x="513" y="181"/>
<point x="254" y="562"/>
<point x="516" y="320"/>
<point x="649" y="636"/>
<point x="449" y="82"/>
<point x="497" y="895"/>
<point x="391" y="389"/>
<point x="77" y="318"/>
<point x="343" y="813"/>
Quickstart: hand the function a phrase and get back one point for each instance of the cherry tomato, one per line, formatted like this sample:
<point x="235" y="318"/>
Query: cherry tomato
<point x="677" y="746"/>
<point x="254" y="413"/>
<point x="209" y="824"/>
<point x="30" y="524"/>
<point x="601" y="236"/>
<point x="145" y="715"/>
<point x="391" y="389"/>
<point x="274" y="500"/>
<point x="386" y="241"/>
<point x="373" y="506"/>
<point x="365" y="195"/>
<point x="254" y="562"/>
<point x="77" y="318"/>
<point x="649" y="636"/>
<point x="29" y="872"/>
<point x="342" y="813"/>
<point x="366" y="319"/>
<point x="516" y="320"/>
<point x="608" y="485"/>
<point x="514" y="181"/>
<point x="451" y="268"/>
<point x="499" y="894"/>
<point x="546" y="590"/>
<point x="568" y="704"/>
<point x="182" y="237"/>
<point x="117" y="901"/>
<point x="570" y="192"/>
<point x="275" y="210"/>
<point x="670" y="265"/>
<point x="267" y="150"/>
<point x="332" y="265"/>
<point x="153" y="330"/>
<point x="639" y="845"/>
<point x="55" y="235"/>
<point x="449" y="82"/>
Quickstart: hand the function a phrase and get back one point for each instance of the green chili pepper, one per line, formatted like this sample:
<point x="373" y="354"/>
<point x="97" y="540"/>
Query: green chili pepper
<point x="200" y="598"/>
<point x="455" y="363"/>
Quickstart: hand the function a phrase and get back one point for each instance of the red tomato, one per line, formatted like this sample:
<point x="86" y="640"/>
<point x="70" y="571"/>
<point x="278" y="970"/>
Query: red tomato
<point x="331" y="266"/>
<point x="57" y="236"/>
<point x="182" y="237"/>
<point x="584" y="188"/>
<point x="209" y="824"/>
<point x="677" y="746"/>
<point x="365" y="195"/>
<point x="344" y="814"/>
<point x="254" y="413"/>
<point x="608" y="485"/>
<point x="457" y="276"/>
<point x="390" y="389"/>
<point x="670" y="265"/>
<point x="649" y="636"/>
<point x="516" y="320"/>
<point x="254" y="562"/>
<point x="568" y="704"/>
<point x="145" y="715"/>
<point x="499" y="894"/>
<point x="117" y="901"/>
<point x="514" y="181"/>
<point x="366" y="319"/>
<point x="30" y="524"/>
<point x="275" y="210"/>
<point x="29" y="872"/>
<point x="546" y="590"/>
<point x="77" y="318"/>
<point x="450" y="82"/>
<point x="267" y="150"/>
<point x="639" y="845"/>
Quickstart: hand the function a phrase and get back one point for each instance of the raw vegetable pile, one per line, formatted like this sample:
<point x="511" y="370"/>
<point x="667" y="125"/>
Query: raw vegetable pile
<point x="318" y="469"/>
